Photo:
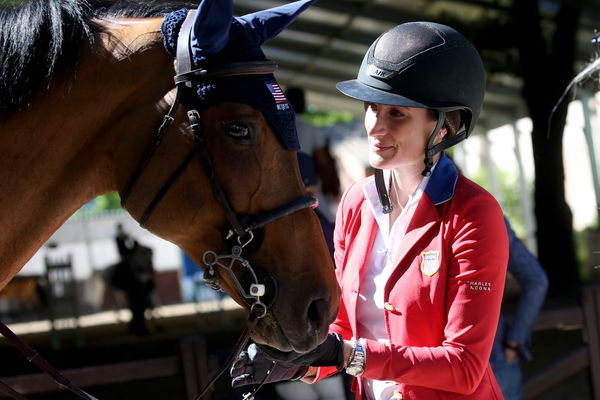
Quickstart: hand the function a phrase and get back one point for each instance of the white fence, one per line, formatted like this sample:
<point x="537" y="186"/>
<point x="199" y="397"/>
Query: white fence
<point x="91" y="242"/>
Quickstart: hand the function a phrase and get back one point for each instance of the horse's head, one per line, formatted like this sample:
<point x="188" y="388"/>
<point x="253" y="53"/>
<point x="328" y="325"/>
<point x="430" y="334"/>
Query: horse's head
<point x="240" y="189"/>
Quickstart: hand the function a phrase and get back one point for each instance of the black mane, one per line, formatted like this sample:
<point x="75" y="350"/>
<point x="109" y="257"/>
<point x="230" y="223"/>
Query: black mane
<point x="39" y="38"/>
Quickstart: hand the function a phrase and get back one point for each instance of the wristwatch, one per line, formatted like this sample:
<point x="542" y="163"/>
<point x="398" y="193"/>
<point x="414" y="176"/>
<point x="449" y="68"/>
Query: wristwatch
<point x="356" y="365"/>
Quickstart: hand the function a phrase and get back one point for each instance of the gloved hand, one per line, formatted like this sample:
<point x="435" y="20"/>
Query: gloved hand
<point x="328" y="353"/>
<point x="251" y="368"/>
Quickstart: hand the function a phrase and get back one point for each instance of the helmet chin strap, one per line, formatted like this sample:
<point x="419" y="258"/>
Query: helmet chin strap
<point x="384" y="197"/>
<point x="430" y="152"/>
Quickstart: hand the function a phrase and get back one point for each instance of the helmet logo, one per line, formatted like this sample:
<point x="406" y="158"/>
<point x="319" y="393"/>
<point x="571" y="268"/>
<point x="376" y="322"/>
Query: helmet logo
<point x="378" y="72"/>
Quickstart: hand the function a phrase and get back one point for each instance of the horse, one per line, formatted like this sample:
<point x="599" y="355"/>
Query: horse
<point x="22" y="292"/>
<point x="84" y="87"/>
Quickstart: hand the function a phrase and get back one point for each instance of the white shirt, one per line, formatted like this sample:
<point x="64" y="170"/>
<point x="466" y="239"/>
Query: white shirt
<point x="382" y="260"/>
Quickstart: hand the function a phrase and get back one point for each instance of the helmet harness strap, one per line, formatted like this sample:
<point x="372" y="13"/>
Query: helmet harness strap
<point x="444" y="144"/>
<point x="384" y="197"/>
<point x="432" y="150"/>
<point x="459" y="137"/>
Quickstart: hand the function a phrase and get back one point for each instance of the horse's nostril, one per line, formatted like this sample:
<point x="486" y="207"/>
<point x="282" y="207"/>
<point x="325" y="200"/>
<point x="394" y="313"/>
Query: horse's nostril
<point x="316" y="314"/>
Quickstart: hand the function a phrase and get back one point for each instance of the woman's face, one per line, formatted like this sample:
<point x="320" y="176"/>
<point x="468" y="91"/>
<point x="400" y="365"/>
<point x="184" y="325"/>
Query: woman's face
<point x="397" y="135"/>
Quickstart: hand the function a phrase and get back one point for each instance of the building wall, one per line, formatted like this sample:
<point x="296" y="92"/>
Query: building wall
<point x="90" y="243"/>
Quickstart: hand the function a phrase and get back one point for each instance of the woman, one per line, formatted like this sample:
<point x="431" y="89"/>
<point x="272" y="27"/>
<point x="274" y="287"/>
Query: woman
<point x="513" y="338"/>
<point x="420" y="250"/>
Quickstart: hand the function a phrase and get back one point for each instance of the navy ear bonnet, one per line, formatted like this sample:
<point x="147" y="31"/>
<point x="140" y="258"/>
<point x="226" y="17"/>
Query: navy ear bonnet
<point x="240" y="43"/>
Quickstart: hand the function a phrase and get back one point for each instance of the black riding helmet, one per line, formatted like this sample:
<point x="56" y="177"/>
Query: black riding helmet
<point x="424" y="65"/>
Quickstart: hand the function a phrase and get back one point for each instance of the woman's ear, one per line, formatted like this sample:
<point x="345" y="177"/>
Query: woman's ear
<point x="443" y="132"/>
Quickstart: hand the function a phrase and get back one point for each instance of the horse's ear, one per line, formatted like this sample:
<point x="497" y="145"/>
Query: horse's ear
<point x="211" y="26"/>
<point x="268" y="23"/>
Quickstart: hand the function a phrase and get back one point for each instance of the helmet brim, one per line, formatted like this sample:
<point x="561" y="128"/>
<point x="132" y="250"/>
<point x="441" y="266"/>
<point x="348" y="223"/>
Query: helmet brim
<point x="358" y="90"/>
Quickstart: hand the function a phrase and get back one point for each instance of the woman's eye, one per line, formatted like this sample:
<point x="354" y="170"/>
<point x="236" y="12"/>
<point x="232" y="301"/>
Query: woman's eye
<point x="237" y="130"/>
<point x="396" y="113"/>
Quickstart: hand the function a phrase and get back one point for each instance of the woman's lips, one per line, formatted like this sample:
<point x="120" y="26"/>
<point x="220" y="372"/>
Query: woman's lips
<point x="378" y="147"/>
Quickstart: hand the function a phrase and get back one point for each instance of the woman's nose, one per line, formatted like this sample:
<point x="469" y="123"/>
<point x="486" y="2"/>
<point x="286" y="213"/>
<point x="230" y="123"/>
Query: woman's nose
<point x="378" y="125"/>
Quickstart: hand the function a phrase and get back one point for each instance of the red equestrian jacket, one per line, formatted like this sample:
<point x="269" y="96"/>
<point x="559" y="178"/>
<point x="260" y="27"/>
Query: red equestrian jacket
<point x="442" y="299"/>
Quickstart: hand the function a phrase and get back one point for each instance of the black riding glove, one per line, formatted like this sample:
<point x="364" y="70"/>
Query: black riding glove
<point x="252" y="367"/>
<point x="328" y="353"/>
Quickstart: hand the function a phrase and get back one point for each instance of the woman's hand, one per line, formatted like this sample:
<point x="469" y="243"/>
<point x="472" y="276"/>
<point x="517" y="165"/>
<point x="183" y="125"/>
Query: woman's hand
<point x="253" y="368"/>
<point x="511" y="351"/>
<point x="328" y="353"/>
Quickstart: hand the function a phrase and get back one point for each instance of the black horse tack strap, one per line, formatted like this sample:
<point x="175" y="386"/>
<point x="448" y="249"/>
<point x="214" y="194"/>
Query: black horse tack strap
<point x="37" y="360"/>
<point x="239" y="346"/>
<point x="62" y="381"/>
<point x="4" y="388"/>
<point x="183" y="79"/>
<point x="242" y="227"/>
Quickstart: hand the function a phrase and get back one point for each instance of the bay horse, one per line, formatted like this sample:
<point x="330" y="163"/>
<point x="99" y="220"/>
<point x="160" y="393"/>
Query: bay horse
<point x="84" y="87"/>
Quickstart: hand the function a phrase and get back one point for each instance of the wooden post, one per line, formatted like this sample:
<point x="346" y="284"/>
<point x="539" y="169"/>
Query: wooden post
<point x="555" y="373"/>
<point x="591" y="312"/>
<point x="109" y="374"/>
<point x="195" y="366"/>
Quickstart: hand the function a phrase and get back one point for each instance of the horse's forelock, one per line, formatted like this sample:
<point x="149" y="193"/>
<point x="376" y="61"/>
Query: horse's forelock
<point x="137" y="8"/>
<point x="39" y="38"/>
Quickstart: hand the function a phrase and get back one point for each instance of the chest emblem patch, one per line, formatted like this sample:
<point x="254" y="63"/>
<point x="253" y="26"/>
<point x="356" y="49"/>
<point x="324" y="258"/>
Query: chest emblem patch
<point x="430" y="262"/>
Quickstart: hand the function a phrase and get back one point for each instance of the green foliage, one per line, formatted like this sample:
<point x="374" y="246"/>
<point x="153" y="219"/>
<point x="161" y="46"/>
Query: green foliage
<point x="109" y="201"/>
<point x="101" y="204"/>
<point x="326" y="119"/>
<point x="587" y="245"/>
<point x="11" y="3"/>
<point x="508" y="185"/>
<point x="511" y="202"/>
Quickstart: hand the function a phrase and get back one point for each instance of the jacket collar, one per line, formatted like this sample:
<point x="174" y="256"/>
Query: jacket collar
<point x="443" y="180"/>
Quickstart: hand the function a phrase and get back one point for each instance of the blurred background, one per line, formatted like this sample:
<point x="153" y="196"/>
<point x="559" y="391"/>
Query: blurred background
<point x="542" y="166"/>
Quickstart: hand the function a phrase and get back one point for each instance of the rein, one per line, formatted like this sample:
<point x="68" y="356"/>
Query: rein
<point x="34" y="357"/>
<point x="242" y="227"/>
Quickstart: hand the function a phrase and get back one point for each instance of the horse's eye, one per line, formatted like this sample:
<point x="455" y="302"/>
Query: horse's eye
<point x="238" y="131"/>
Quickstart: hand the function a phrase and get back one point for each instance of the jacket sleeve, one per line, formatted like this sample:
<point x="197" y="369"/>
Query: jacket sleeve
<point x="477" y="242"/>
<point x="533" y="281"/>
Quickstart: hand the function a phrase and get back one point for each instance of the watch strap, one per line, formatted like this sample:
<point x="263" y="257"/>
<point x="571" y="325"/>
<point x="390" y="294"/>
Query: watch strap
<point x="356" y="365"/>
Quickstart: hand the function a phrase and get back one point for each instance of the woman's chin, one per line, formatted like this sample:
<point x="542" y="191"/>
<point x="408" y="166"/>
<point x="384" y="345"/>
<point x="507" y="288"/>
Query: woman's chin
<point x="379" y="163"/>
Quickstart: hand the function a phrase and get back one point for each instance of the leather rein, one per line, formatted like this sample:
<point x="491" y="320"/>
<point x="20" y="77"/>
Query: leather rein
<point x="242" y="228"/>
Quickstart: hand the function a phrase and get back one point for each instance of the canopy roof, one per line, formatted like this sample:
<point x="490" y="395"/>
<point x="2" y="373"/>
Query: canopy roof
<point x="327" y="43"/>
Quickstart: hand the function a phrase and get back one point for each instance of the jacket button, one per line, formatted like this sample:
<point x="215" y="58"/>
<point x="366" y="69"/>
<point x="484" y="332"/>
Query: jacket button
<point x="397" y="395"/>
<point x="388" y="306"/>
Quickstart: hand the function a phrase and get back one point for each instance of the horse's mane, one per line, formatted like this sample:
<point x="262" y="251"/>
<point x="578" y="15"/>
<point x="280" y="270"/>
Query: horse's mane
<point x="39" y="38"/>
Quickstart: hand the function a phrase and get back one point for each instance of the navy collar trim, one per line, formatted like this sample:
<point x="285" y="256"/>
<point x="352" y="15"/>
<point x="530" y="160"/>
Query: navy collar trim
<point x="443" y="180"/>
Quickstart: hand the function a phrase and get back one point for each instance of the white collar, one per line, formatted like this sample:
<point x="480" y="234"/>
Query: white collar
<point x="370" y="193"/>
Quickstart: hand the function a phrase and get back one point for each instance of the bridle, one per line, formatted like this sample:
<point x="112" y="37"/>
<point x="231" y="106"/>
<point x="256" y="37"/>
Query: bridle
<point x="242" y="228"/>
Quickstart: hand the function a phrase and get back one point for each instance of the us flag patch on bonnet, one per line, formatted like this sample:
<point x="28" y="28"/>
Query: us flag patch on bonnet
<point x="278" y="96"/>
